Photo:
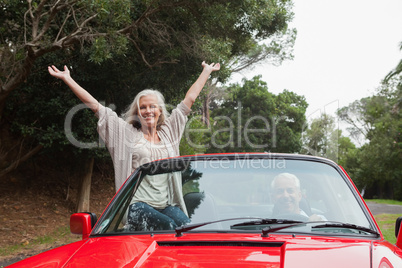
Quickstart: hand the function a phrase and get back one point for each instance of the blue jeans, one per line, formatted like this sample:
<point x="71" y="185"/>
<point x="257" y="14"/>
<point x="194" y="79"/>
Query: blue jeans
<point x="143" y="217"/>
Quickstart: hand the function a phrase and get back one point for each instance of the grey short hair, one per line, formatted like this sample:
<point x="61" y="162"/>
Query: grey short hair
<point x="131" y="115"/>
<point x="286" y="175"/>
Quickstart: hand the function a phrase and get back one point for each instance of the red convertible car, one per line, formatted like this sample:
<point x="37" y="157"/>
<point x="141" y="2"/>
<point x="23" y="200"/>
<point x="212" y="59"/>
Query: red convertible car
<point x="230" y="210"/>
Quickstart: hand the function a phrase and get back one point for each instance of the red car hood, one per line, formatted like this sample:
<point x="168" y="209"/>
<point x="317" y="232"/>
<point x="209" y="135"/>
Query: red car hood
<point x="218" y="250"/>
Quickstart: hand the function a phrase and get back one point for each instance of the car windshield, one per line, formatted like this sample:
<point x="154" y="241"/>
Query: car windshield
<point x="212" y="190"/>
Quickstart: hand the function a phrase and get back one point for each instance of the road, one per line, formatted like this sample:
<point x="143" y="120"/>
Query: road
<point x="384" y="208"/>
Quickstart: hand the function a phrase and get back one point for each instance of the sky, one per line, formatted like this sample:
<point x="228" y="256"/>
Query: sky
<point x="343" y="50"/>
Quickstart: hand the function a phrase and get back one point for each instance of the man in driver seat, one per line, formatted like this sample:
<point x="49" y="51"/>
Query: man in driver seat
<point x="287" y="196"/>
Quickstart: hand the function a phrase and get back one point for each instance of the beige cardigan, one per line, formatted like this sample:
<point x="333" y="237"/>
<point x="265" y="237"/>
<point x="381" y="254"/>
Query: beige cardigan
<point x="121" y="139"/>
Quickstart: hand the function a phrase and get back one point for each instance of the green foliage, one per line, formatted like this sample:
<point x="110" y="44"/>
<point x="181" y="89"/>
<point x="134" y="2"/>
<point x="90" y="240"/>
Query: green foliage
<point x="111" y="13"/>
<point x="194" y="138"/>
<point x="346" y="153"/>
<point x="318" y="135"/>
<point x="39" y="113"/>
<point x="397" y="70"/>
<point x="252" y="119"/>
<point x="111" y="16"/>
<point x="116" y="48"/>
<point x="322" y="138"/>
<point x="376" y="166"/>
<point x="161" y="31"/>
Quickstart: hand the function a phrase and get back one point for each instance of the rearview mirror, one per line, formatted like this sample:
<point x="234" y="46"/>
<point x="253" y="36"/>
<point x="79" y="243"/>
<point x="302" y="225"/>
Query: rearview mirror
<point x="82" y="223"/>
<point x="398" y="234"/>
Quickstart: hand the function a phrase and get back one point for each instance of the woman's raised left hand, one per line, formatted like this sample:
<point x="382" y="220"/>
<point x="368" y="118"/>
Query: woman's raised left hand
<point x="211" y="67"/>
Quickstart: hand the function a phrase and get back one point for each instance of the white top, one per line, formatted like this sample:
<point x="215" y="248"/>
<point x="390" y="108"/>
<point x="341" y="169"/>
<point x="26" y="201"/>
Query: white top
<point x="153" y="190"/>
<point x="129" y="150"/>
<point x="147" y="152"/>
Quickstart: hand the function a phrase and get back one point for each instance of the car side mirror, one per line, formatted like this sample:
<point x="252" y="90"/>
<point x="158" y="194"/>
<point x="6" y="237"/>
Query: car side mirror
<point x="82" y="223"/>
<point x="398" y="234"/>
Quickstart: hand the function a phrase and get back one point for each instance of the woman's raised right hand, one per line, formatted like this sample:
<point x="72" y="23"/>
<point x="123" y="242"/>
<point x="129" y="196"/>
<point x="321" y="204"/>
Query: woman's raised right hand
<point x="59" y="74"/>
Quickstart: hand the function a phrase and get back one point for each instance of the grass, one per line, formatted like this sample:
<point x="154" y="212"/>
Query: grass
<point x="61" y="234"/>
<point x="386" y="222"/>
<point x="385" y="201"/>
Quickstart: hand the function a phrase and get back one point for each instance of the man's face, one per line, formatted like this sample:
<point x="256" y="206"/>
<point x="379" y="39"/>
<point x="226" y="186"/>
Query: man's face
<point x="286" y="195"/>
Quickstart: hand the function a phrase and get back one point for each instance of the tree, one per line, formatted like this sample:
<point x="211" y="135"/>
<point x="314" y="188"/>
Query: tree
<point x="317" y="138"/>
<point x="378" y="168"/>
<point x="40" y="115"/>
<point x="143" y="34"/>
<point x="251" y="119"/>
<point x="346" y="151"/>
<point x="355" y="116"/>
<point x="160" y="30"/>
<point x="34" y="28"/>
<point x="275" y="52"/>
<point x="121" y="46"/>
<point x="323" y="138"/>
<point x="397" y="70"/>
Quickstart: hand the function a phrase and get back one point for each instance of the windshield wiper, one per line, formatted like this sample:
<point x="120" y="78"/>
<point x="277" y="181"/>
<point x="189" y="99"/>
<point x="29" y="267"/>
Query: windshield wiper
<point x="284" y="224"/>
<point x="346" y="225"/>
<point x="269" y="229"/>
<point x="266" y="221"/>
<point x="180" y="230"/>
<point x="259" y="221"/>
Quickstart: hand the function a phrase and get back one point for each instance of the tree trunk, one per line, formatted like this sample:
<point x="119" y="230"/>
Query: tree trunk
<point x="18" y="76"/>
<point x="205" y="105"/>
<point x="85" y="187"/>
<point x="205" y="110"/>
<point x="20" y="159"/>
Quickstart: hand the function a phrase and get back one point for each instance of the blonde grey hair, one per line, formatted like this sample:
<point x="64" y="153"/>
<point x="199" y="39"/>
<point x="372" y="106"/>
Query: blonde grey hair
<point x="131" y="114"/>
<point x="286" y="175"/>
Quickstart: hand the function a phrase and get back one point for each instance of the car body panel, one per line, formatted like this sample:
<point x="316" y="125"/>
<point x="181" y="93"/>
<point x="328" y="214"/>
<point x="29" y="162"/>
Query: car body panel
<point x="218" y="250"/>
<point x="386" y="255"/>
<point x="305" y="246"/>
<point x="53" y="258"/>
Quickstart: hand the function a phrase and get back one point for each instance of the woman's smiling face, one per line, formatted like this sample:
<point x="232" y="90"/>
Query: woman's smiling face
<point x="149" y="111"/>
